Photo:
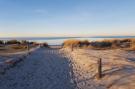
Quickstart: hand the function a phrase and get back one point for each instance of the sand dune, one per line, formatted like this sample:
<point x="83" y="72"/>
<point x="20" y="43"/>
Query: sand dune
<point x="118" y="68"/>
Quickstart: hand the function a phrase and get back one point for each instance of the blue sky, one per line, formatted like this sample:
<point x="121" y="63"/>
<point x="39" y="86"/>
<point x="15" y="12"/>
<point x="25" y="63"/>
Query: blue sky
<point x="67" y="17"/>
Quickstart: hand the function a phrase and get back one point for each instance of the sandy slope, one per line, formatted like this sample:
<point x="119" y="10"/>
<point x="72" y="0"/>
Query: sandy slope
<point x="5" y="56"/>
<point x="43" y="69"/>
<point x="118" y="68"/>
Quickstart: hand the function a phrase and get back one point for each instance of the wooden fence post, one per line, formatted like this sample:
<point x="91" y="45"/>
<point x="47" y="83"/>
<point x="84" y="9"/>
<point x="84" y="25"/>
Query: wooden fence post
<point x="99" y="75"/>
<point x="28" y="48"/>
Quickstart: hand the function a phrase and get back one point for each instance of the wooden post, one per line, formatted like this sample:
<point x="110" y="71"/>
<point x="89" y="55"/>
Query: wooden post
<point x="28" y="47"/>
<point x="99" y="75"/>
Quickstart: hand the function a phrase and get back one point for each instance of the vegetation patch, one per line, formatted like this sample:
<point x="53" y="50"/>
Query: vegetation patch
<point x="19" y="47"/>
<point x="76" y="43"/>
<point x="103" y="44"/>
<point x="45" y="45"/>
<point x="133" y="44"/>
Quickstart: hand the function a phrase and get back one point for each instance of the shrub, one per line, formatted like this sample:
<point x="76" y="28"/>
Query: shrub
<point x="24" y="42"/>
<point x="112" y="43"/>
<point x="125" y="40"/>
<point x="101" y="44"/>
<point x="76" y="43"/>
<point x="121" y="43"/>
<point x="13" y="42"/>
<point x="33" y="43"/>
<point x="1" y="42"/>
<point x="45" y="45"/>
<point x="84" y="43"/>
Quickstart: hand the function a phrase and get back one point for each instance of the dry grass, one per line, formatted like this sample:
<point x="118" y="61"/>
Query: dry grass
<point x="133" y="44"/>
<point x="103" y="44"/>
<point x="19" y="47"/>
<point x="76" y="43"/>
<point x="113" y="43"/>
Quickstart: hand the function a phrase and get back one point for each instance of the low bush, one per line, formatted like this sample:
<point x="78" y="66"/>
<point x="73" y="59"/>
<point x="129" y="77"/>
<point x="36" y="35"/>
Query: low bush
<point x="76" y="43"/>
<point x="1" y="42"/>
<point x="45" y="45"/>
<point x="13" y="42"/>
<point x="84" y="43"/>
<point x="112" y="43"/>
<point x="121" y="43"/>
<point x="101" y="44"/>
<point x="24" y="42"/>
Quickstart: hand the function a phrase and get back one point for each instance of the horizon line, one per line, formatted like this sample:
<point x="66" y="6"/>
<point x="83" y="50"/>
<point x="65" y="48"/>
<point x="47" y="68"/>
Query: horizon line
<point x="68" y="36"/>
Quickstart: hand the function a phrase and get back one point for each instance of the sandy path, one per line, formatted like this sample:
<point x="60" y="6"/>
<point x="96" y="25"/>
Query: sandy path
<point x="43" y="69"/>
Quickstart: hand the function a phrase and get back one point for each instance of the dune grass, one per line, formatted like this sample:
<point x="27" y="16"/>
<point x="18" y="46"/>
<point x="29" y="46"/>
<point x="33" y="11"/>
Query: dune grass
<point x="133" y="44"/>
<point x="75" y="43"/>
<point x="19" y="47"/>
<point x="103" y="44"/>
<point x="12" y="46"/>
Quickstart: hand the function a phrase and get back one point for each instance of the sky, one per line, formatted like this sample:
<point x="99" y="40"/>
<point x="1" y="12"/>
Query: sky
<point x="39" y="18"/>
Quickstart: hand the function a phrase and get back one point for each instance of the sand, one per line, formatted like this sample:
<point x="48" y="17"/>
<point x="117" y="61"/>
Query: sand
<point x="62" y="69"/>
<point x="43" y="69"/>
<point x="5" y="56"/>
<point x="118" y="68"/>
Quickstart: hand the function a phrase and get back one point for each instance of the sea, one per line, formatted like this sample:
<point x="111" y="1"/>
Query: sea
<point x="60" y="40"/>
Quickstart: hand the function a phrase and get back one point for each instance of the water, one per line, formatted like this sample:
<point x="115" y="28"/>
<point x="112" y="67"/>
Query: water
<point x="60" y="40"/>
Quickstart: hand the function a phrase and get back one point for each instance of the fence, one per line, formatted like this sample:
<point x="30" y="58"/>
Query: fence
<point x="99" y="65"/>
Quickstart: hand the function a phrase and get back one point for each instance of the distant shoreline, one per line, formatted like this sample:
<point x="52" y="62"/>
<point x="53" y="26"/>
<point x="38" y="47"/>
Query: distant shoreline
<point x="60" y="40"/>
<point x="49" y="38"/>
